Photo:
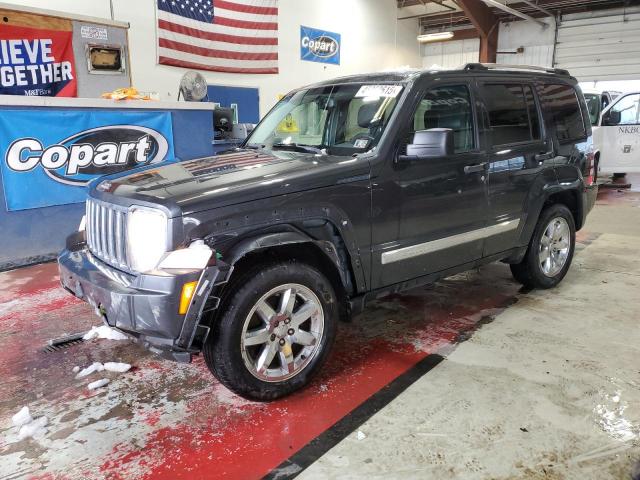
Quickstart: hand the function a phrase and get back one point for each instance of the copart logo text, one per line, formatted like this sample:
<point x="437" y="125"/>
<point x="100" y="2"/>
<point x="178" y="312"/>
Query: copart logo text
<point x="322" y="46"/>
<point x="76" y="160"/>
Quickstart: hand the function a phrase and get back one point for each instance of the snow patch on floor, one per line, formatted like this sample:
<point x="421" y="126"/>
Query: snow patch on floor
<point x="106" y="332"/>
<point x="22" y="417"/>
<point x="98" y="384"/>
<point x="34" y="429"/>
<point x="116" y="367"/>
<point x="27" y="427"/>
<point x="94" y="367"/>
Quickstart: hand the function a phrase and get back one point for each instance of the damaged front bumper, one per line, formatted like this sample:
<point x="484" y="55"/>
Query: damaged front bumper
<point x="145" y="306"/>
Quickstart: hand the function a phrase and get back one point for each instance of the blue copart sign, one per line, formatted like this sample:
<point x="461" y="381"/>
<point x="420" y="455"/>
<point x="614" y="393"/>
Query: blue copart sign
<point x="319" y="45"/>
<point x="48" y="157"/>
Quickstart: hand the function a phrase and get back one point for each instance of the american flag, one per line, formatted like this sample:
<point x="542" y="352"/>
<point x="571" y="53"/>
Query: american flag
<point x="239" y="36"/>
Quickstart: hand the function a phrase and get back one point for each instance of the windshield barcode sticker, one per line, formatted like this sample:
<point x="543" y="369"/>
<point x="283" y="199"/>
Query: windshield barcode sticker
<point x="379" y="91"/>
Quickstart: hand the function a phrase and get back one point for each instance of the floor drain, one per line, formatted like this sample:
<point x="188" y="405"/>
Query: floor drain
<point x="61" y="343"/>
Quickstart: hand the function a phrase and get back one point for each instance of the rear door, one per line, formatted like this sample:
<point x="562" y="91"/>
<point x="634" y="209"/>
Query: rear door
<point x="618" y="137"/>
<point x="516" y="153"/>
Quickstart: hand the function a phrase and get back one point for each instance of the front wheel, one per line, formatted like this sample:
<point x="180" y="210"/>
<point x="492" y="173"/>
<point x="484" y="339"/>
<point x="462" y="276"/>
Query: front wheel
<point x="275" y="331"/>
<point x="550" y="251"/>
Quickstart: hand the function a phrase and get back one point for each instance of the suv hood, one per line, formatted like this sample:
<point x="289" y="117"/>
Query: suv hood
<point x="234" y="177"/>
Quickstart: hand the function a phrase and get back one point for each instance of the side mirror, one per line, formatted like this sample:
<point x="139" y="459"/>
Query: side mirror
<point x="435" y="142"/>
<point x="611" y="118"/>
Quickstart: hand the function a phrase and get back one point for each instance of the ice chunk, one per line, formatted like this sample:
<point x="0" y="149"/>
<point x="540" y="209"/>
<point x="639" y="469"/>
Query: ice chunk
<point x="22" y="417"/>
<point x="98" y="383"/>
<point x="35" y="429"/>
<point x="104" y="331"/>
<point x="117" y="367"/>
<point x="94" y="367"/>
<point x="76" y="369"/>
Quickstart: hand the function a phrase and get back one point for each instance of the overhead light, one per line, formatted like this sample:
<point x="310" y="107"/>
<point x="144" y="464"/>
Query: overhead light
<point x="435" y="37"/>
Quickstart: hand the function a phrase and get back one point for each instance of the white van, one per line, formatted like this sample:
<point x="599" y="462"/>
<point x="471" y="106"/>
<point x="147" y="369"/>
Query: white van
<point x="616" y="138"/>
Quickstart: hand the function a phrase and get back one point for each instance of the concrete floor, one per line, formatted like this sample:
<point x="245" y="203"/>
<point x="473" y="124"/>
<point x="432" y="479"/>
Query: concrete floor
<point x="544" y="384"/>
<point x="550" y="389"/>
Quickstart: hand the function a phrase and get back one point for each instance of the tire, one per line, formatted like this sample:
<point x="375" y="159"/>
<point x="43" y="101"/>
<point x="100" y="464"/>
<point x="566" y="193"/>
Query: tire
<point x="256" y="324"/>
<point x="531" y="272"/>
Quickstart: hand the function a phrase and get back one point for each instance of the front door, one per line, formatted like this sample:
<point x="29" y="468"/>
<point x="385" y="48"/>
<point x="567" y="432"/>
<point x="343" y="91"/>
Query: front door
<point x="429" y="215"/>
<point x="618" y="139"/>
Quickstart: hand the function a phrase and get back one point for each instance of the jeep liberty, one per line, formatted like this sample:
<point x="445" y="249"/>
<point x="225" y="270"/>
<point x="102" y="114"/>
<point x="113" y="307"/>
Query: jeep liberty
<point x="347" y="190"/>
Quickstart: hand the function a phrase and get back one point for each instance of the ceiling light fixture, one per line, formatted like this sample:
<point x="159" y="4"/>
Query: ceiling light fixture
<point x="435" y="37"/>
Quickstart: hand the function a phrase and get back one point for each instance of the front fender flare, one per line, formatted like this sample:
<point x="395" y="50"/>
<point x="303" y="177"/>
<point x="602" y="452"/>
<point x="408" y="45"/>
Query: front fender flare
<point x="263" y="241"/>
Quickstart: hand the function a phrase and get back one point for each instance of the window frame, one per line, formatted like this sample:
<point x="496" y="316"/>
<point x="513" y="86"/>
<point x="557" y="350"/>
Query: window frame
<point x="431" y="85"/>
<point x="491" y="145"/>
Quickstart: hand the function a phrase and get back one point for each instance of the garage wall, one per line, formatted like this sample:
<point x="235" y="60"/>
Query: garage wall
<point x="537" y="42"/>
<point x="602" y="45"/>
<point x="451" y="54"/>
<point x="372" y="40"/>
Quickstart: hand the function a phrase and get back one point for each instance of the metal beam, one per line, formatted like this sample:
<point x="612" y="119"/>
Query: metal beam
<point x="539" y="8"/>
<point x="486" y="24"/>
<point x="503" y="7"/>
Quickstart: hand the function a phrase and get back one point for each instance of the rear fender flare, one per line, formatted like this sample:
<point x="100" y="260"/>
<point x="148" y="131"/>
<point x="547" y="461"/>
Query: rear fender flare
<point x="542" y="199"/>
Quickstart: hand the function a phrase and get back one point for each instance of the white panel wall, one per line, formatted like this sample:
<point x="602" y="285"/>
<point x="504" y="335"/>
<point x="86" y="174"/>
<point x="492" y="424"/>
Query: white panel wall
<point x="537" y="42"/>
<point x="601" y="45"/>
<point x="372" y="40"/>
<point x="451" y="54"/>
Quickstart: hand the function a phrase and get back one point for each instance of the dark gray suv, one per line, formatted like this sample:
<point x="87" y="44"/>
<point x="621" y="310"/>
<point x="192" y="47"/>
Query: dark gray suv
<point x="346" y="190"/>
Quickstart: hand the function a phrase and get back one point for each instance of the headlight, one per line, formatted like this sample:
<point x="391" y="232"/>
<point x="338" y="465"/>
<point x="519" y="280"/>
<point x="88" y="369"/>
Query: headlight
<point x="146" y="237"/>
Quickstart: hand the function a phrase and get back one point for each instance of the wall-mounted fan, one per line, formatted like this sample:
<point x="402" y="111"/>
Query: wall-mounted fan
<point x="193" y="87"/>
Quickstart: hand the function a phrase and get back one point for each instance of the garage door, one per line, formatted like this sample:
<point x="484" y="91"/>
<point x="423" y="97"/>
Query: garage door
<point x="600" y="46"/>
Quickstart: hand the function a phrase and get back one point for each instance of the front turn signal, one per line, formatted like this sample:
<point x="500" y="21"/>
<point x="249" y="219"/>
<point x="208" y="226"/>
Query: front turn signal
<point x="188" y="289"/>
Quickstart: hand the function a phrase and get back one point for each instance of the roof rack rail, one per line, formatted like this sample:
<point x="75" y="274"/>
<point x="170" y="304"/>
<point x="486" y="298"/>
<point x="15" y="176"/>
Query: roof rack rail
<point x="504" y="66"/>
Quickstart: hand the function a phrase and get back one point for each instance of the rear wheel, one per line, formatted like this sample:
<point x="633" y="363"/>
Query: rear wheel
<point x="550" y="251"/>
<point x="275" y="331"/>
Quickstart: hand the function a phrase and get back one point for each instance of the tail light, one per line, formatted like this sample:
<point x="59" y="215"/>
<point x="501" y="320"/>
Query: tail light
<point x="590" y="169"/>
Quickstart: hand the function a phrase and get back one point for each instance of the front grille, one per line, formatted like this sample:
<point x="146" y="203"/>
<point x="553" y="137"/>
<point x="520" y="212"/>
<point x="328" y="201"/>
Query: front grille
<point x="106" y="229"/>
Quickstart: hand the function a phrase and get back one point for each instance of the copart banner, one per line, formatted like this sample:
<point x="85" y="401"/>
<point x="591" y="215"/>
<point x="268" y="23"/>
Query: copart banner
<point x="50" y="156"/>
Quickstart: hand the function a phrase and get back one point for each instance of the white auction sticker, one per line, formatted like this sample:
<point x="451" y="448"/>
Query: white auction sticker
<point x="379" y="91"/>
<point x="95" y="33"/>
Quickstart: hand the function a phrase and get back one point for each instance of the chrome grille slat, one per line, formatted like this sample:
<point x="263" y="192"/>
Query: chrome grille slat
<point x="106" y="226"/>
<point x="103" y="231"/>
<point x="111" y="243"/>
<point x="119" y="239"/>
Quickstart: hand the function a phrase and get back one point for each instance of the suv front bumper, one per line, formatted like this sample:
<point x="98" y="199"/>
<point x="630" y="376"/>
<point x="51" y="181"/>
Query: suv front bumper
<point x="144" y="306"/>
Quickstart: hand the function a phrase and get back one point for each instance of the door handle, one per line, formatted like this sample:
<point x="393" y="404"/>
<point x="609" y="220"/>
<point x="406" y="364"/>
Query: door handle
<point x="479" y="167"/>
<point x="543" y="156"/>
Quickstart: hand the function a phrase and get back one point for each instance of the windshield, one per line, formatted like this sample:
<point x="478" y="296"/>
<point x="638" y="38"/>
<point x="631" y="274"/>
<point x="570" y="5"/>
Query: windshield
<point x="593" y="106"/>
<point x="338" y="119"/>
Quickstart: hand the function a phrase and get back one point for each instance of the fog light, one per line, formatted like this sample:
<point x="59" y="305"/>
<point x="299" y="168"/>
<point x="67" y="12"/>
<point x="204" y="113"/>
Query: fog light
<point x="188" y="289"/>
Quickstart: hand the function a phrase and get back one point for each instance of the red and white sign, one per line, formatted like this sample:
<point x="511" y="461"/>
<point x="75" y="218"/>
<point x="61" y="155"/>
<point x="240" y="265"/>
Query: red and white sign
<point x="36" y="62"/>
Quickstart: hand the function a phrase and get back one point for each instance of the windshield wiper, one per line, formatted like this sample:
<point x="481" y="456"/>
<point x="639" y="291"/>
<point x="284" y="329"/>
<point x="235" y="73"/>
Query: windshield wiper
<point x="300" y="147"/>
<point x="254" y="146"/>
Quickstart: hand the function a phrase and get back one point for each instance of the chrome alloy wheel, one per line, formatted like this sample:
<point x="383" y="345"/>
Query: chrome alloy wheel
<point x="554" y="246"/>
<point x="282" y="333"/>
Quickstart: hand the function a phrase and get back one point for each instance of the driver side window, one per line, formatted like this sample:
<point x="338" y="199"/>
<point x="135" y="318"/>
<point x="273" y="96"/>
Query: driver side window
<point x="629" y="109"/>
<point x="447" y="107"/>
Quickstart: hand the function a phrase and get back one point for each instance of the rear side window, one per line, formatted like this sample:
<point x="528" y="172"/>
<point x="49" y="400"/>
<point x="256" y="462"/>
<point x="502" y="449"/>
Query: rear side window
<point x="561" y="101"/>
<point x="513" y="116"/>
